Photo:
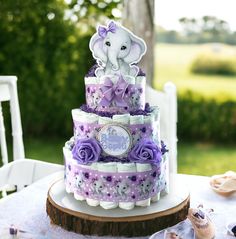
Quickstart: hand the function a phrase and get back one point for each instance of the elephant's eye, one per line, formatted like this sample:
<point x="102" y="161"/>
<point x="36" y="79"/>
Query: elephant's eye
<point x="108" y="43"/>
<point x="123" y="48"/>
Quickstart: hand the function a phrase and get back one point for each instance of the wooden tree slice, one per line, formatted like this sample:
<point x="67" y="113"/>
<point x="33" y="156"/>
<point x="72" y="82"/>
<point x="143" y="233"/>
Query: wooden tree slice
<point x="78" y="217"/>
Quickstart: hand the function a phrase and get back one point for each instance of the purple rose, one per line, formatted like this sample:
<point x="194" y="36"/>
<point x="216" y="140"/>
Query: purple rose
<point x="86" y="151"/>
<point x="146" y="151"/>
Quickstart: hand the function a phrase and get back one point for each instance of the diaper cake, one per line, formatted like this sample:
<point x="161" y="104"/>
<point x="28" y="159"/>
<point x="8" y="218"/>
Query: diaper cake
<point x="116" y="157"/>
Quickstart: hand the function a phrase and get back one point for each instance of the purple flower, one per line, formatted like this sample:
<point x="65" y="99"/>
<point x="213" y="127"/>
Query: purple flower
<point x="154" y="174"/>
<point x="163" y="148"/>
<point x="81" y="127"/>
<point x="143" y="129"/>
<point x="133" y="178"/>
<point x="86" y="151"/>
<point x="146" y="151"/>
<point x="109" y="178"/>
<point x="91" y="72"/>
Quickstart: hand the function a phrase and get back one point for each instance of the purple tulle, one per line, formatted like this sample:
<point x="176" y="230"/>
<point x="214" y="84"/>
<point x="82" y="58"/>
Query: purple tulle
<point x="107" y="159"/>
<point x="91" y="72"/>
<point x="141" y="72"/>
<point x="87" y="109"/>
<point x="163" y="148"/>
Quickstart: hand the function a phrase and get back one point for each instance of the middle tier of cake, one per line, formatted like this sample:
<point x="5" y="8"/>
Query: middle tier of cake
<point x="117" y="133"/>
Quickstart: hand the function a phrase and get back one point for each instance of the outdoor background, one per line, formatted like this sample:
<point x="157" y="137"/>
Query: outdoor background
<point x="45" y="43"/>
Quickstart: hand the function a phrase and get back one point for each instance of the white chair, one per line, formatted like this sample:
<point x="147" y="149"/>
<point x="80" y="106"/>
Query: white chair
<point x="167" y="102"/>
<point x="21" y="172"/>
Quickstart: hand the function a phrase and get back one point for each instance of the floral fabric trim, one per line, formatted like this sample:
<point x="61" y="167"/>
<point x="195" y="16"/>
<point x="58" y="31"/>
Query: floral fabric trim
<point x="115" y="186"/>
<point x="89" y="130"/>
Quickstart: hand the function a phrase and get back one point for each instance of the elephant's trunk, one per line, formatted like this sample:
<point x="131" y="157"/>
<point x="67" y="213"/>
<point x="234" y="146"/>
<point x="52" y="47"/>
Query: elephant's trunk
<point x="112" y="56"/>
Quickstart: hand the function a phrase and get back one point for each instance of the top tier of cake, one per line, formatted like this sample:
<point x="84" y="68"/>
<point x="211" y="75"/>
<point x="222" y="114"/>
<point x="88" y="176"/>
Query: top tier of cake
<point x="115" y="94"/>
<point x="117" y="84"/>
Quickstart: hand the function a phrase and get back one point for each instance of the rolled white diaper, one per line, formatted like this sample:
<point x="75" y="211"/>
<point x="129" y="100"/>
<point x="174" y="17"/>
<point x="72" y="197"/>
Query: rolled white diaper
<point x="91" y="80"/>
<point x="166" y="175"/>
<point x="91" y="118"/>
<point x="148" y="119"/>
<point x="79" y="197"/>
<point x="156" y="197"/>
<point x="126" y="167"/>
<point x="84" y="117"/>
<point x="112" y="168"/>
<point x="104" y="120"/>
<point x="143" y="167"/>
<point x="136" y="119"/>
<point x="140" y="80"/>
<point x="156" y="126"/>
<point x="123" y="119"/>
<point x="81" y="116"/>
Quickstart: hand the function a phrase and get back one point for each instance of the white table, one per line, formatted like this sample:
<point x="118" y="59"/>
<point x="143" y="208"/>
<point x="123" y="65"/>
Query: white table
<point x="26" y="209"/>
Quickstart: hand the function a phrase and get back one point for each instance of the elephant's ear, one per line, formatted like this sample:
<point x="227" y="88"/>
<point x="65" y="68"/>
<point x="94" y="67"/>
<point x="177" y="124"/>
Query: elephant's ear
<point x="96" y="46"/>
<point x="137" y="50"/>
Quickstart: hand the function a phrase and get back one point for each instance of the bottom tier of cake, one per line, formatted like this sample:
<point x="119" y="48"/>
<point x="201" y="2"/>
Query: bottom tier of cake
<point x="116" y="184"/>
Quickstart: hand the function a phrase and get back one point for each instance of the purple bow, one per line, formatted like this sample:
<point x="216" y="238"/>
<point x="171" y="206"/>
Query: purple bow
<point x="114" y="92"/>
<point x="102" y="31"/>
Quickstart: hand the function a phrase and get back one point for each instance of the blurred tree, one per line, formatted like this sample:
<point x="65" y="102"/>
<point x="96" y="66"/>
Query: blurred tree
<point x="204" y="30"/>
<point x="138" y="16"/>
<point x="214" y="25"/>
<point x="45" y="43"/>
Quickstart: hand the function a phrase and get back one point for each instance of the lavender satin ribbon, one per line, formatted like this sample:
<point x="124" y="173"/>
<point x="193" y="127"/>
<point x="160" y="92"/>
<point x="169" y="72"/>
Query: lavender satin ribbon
<point x="114" y="92"/>
<point x="102" y="31"/>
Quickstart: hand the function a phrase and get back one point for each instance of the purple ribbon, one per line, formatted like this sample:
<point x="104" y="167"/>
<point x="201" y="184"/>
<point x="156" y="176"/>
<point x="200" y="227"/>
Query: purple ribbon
<point x="102" y="31"/>
<point x="114" y="92"/>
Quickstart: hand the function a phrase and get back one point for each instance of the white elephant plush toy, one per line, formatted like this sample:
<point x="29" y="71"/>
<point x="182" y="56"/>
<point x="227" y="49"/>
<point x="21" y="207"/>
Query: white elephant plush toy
<point x="116" y="50"/>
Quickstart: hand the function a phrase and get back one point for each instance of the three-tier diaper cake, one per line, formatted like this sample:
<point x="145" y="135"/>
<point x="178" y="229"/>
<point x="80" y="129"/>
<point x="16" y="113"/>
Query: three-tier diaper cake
<point x="116" y="157"/>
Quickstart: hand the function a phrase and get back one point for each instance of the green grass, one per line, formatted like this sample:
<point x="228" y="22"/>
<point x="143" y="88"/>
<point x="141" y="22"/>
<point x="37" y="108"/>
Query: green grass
<point x="49" y="150"/>
<point x="193" y="158"/>
<point x="206" y="159"/>
<point x="173" y="64"/>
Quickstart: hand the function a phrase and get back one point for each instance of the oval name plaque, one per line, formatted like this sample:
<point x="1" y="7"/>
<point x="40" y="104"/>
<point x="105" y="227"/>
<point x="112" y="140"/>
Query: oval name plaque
<point x="115" y="139"/>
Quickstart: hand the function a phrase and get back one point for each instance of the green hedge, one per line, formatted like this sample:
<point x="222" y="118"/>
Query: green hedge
<point x="213" y="64"/>
<point x="49" y="53"/>
<point x="204" y="119"/>
<point x="50" y="56"/>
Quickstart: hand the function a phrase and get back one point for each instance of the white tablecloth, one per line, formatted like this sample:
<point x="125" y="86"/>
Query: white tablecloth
<point x="27" y="211"/>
